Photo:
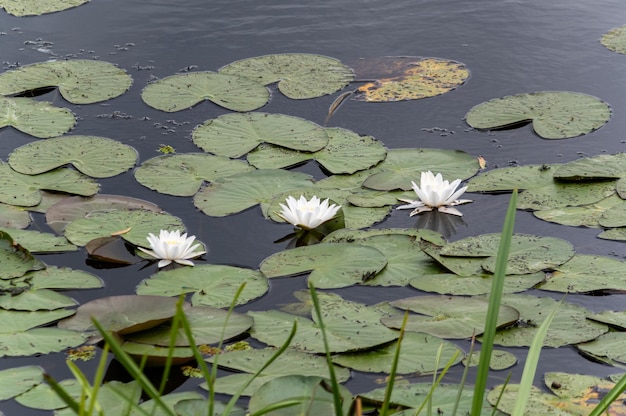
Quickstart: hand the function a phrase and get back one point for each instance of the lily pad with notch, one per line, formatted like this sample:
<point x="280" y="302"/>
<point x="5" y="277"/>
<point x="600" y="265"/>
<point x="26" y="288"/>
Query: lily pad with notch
<point x="234" y="135"/>
<point x="38" y="7"/>
<point x="184" y="174"/>
<point x="299" y="75"/>
<point x="332" y="265"/>
<point x="346" y="152"/>
<point x="554" y="114"/>
<point x="37" y="118"/>
<point x="399" y="78"/>
<point x="218" y="291"/>
<point x="80" y="81"/>
<point x="182" y="91"/>
<point x="17" y="380"/>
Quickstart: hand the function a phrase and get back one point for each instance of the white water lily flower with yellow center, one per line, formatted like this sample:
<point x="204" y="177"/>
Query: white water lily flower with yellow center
<point x="307" y="214"/>
<point x="170" y="246"/>
<point x="434" y="192"/>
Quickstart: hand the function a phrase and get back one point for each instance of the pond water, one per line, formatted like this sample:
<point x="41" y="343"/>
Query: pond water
<point x="509" y="46"/>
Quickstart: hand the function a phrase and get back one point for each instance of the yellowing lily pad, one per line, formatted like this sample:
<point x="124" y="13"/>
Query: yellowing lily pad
<point x="97" y="157"/>
<point x="299" y="75"/>
<point x="234" y="135"/>
<point x="401" y="78"/>
<point x="615" y="40"/>
<point x="80" y="81"/>
<point x="554" y="114"/>
<point x="37" y="118"/>
<point x="184" y="174"/>
<point x="38" y="7"/>
<point x="181" y="91"/>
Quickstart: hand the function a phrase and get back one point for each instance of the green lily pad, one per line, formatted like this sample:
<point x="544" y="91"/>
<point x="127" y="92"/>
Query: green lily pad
<point x="80" y="81"/>
<point x="586" y="273"/>
<point x="234" y="135"/>
<point x="58" y="278"/>
<point x="538" y="402"/>
<point x="156" y="355"/>
<point x="333" y="265"/>
<point x="218" y="291"/>
<point x="405" y="165"/>
<point x="299" y="75"/>
<point x="123" y="314"/>
<point x="94" y="156"/>
<point x="15" y="259"/>
<point x="208" y="326"/>
<point x="38" y="242"/>
<point x="368" y="198"/>
<point x="19" y="335"/>
<point x="401" y="78"/>
<point x="76" y="207"/>
<point x="233" y="194"/>
<point x="582" y="216"/>
<point x="197" y="407"/>
<point x="14" y="217"/>
<point x="15" y="381"/>
<point x="170" y="400"/>
<point x="462" y="266"/>
<point x="609" y="346"/>
<point x="509" y="178"/>
<point x="184" y="174"/>
<point x="448" y="316"/>
<point x="453" y="284"/>
<point x="500" y="360"/>
<point x="346" y="152"/>
<point x="38" y="7"/>
<point x="43" y="397"/>
<point x="248" y="362"/>
<point x="48" y="199"/>
<point x="313" y="393"/>
<point x="618" y="234"/>
<point x="593" y="168"/>
<point x="106" y="223"/>
<point x="569" y="326"/>
<point x="559" y="194"/>
<point x="37" y="118"/>
<point x="181" y="91"/>
<point x="25" y="190"/>
<point x="554" y="114"/>
<point x="114" y="397"/>
<point x="350" y="326"/>
<point x="615" y="39"/>
<point x="616" y="319"/>
<point x="36" y="300"/>
<point x="528" y="254"/>
<point x="418" y="356"/>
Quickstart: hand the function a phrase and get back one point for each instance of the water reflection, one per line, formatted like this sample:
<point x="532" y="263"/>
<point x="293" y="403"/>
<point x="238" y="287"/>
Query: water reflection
<point x="444" y="224"/>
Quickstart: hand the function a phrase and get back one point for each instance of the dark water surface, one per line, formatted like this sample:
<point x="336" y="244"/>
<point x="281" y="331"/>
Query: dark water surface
<point x="509" y="46"/>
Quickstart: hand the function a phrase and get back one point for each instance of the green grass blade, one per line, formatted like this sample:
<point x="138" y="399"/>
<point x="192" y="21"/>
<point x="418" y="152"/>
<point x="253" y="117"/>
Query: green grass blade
<point x="506" y="383"/>
<point x="394" y="368"/>
<point x="464" y="377"/>
<point x="276" y="406"/>
<point x="610" y="397"/>
<point x="60" y="391"/>
<point x="444" y="371"/>
<point x="494" y="307"/>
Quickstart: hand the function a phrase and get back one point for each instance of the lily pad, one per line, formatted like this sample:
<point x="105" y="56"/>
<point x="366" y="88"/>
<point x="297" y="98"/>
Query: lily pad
<point x="616" y="319"/>
<point x="448" y="316"/>
<point x="184" y="174"/>
<point x="19" y="335"/>
<point x="569" y="326"/>
<point x="401" y="78"/>
<point x="76" y="207"/>
<point x="106" y="223"/>
<point x="509" y="178"/>
<point x="453" y="284"/>
<point x="218" y="291"/>
<point x="346" y="152"/>
<point x="57" y="278"/>
<point x="609" y="346"/>
<point x="123" y="314"/>
<point x="80" y="81"/>
<point x="38" y="7"/>
<point x="14" y="217"/>
<point x="333" y="265"/>
<point x="208" y="326"/>
<point x="313" y="393"/>
<point x="248" y="362"/>
<point x="462" y="266"/>
<point x="405" y="165"/>
<point x="25" y="190"/>
<point x="500" y="360"/>
<point x="350" y="326"/>
<point x="554" y="114"/>
<point x="564" y="194"/>
<point x="234" y="135"/>
<point x="37" y="118"/>
<point x="593" y="168"/>
<point x="15" y="381"/>
<point x="226" y="196"/>
<point x="94" y="156"/>
<point x="16" y="260"/>
<point x="528" y="254"/>
<point x="36" y="300"/>
<point x="581" y="216"/>
<point x="618" y="234"/>
<point x="43" y="397"/>
<point x="116" y="397"/>
<point x="418" y="356"/>
<point x="299" y="75"/>
<point x="181" y="91"/>
<point x="38" y="242"/>
<point x="615" y="40"/>
<point x="586" y="273"/>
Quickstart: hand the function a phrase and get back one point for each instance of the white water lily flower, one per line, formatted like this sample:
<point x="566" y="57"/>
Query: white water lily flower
<point x="434" y="192"/>
<point x="170" y="246"/>
<point x="307" y="214"/>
